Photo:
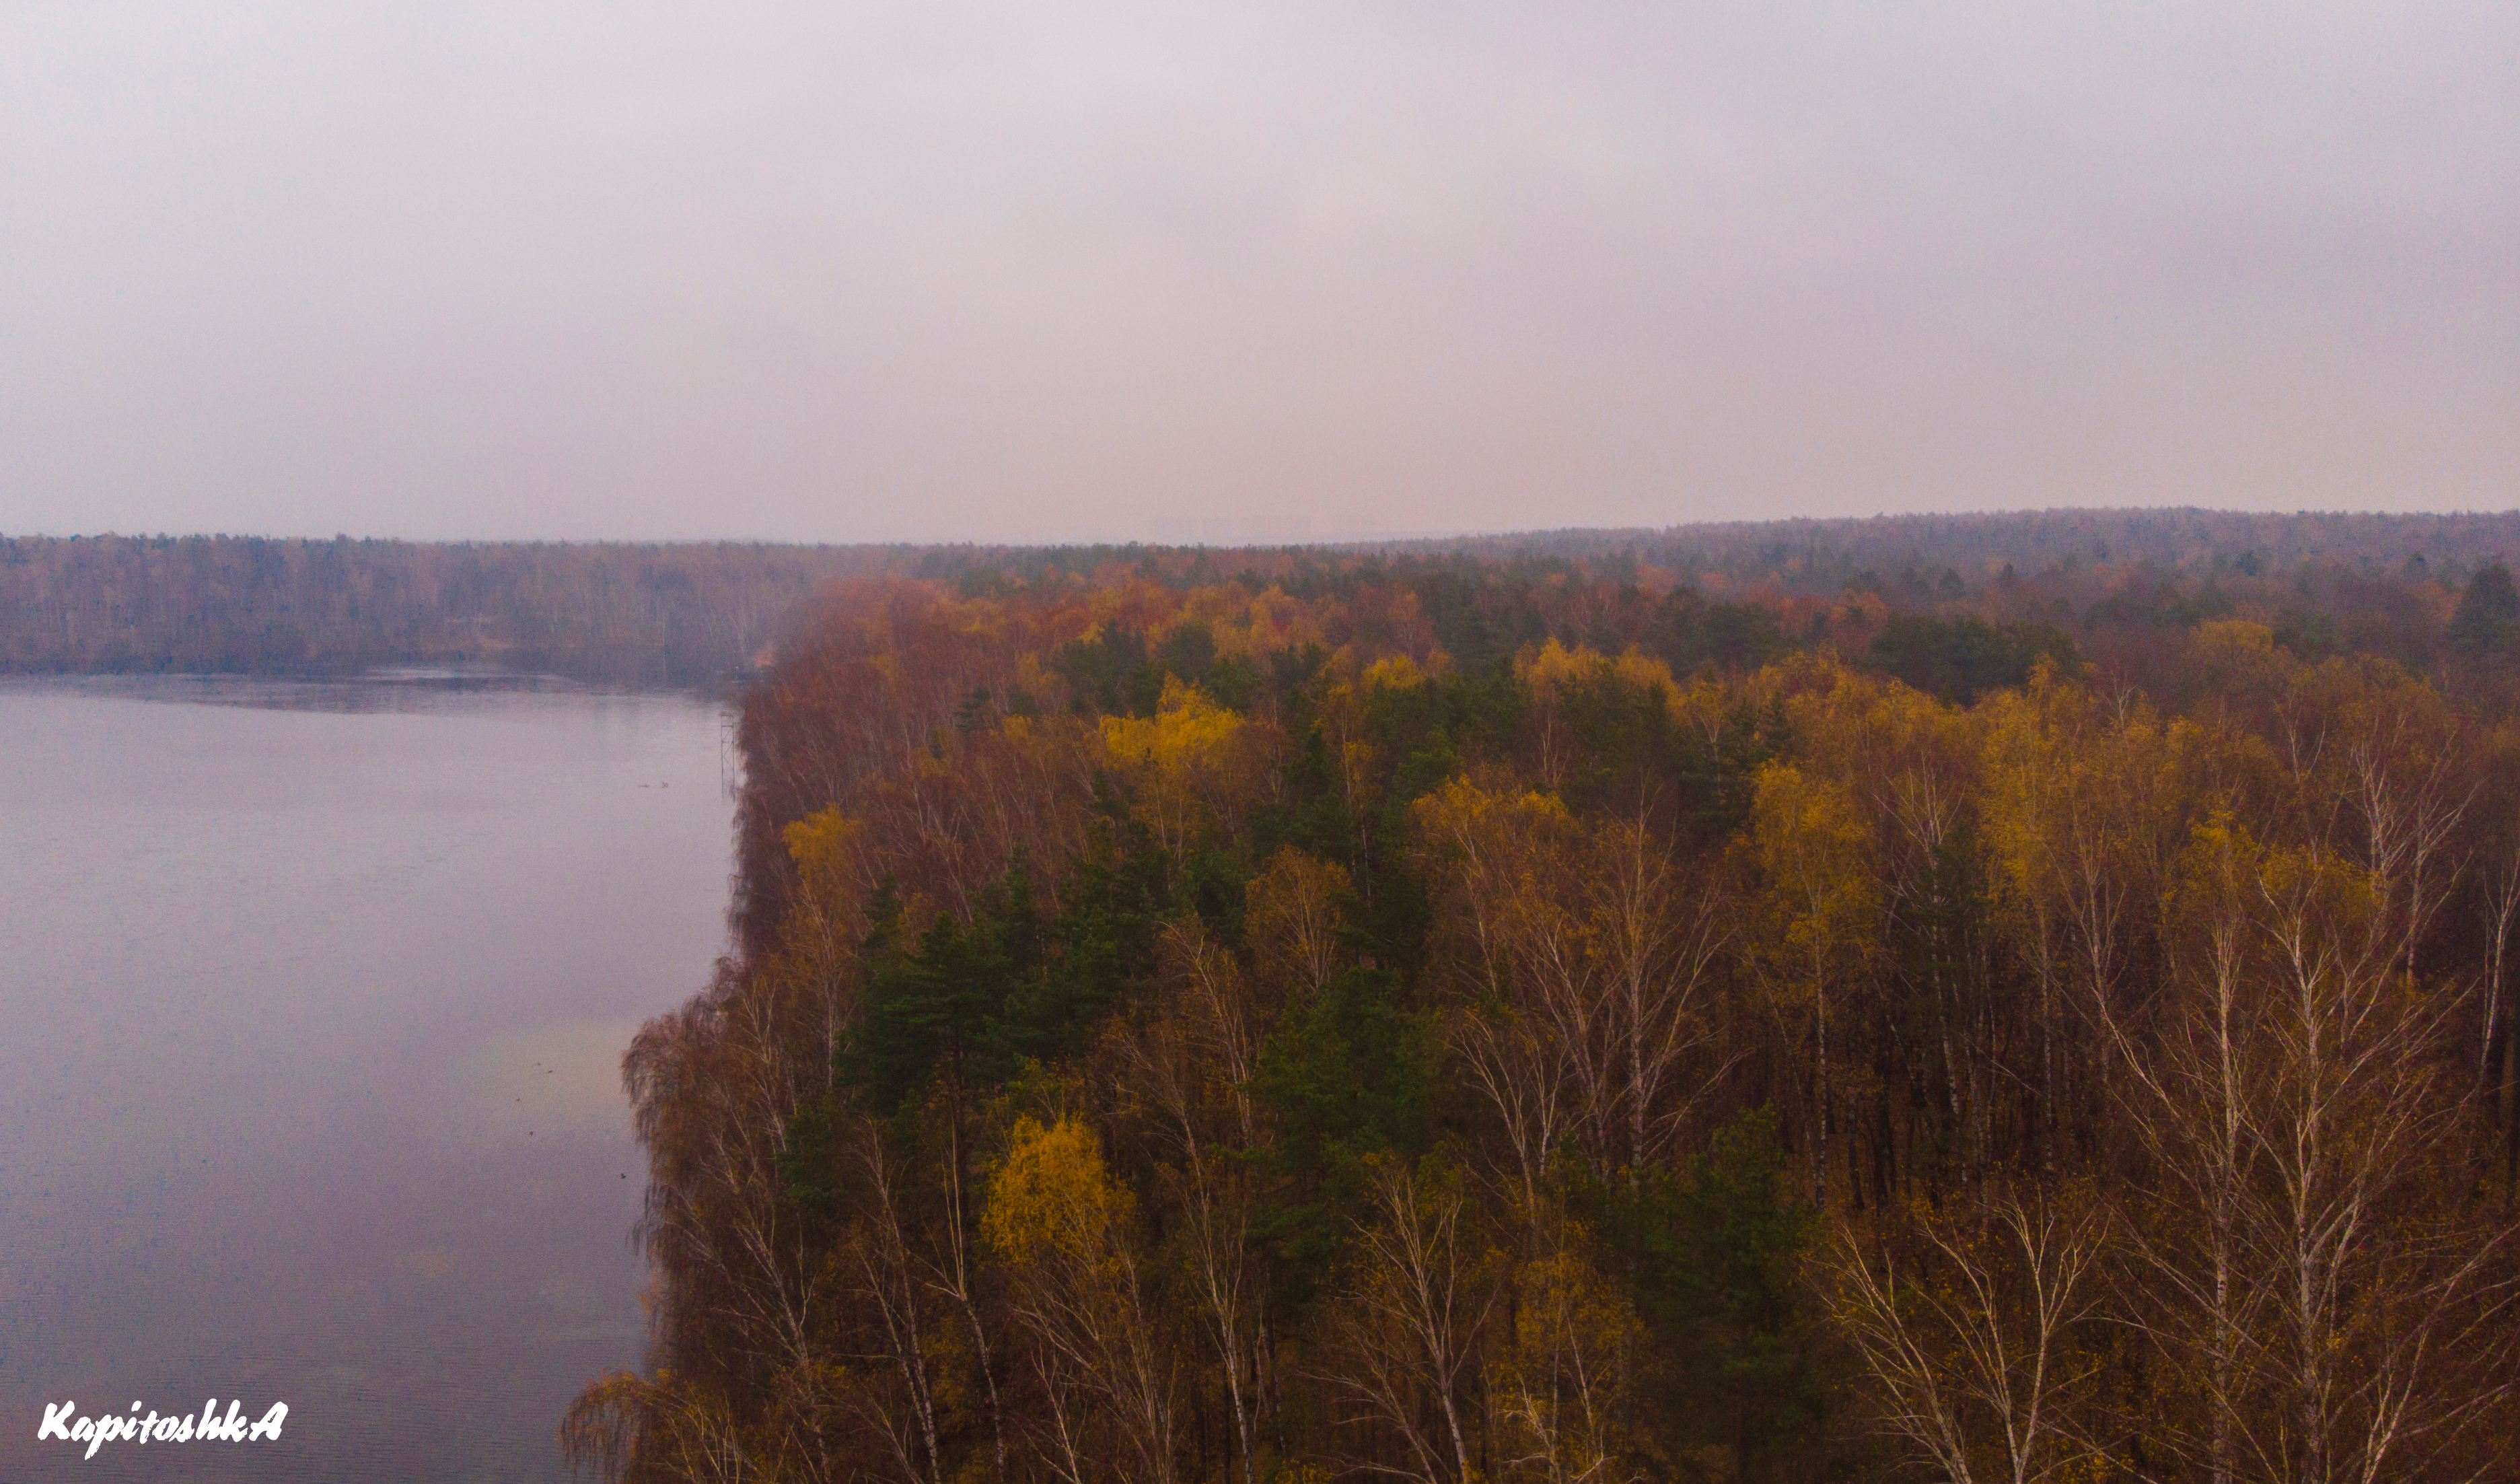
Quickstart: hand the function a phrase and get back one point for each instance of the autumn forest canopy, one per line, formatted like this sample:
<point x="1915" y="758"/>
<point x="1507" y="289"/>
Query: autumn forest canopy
<point x="2033" y="1005"/>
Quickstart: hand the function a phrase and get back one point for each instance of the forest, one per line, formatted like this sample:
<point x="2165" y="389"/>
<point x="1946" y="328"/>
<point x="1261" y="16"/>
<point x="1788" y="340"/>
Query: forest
<point x="653" y="616"/>
<point x="1559" y="1017"/>
<point x="702" y="614"/>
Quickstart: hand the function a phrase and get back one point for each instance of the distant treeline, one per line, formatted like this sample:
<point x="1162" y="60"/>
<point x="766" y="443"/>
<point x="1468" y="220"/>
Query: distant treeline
<point x="2122" y="585"/>
<point x="694" y="613"/>
<point x="1906" y="558"/>
<point x="1812" y="556"/>
<point x="687" y="614"/>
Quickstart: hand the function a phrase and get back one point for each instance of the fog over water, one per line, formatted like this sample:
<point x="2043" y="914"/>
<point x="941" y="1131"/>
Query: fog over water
<point x="312" y="999"/>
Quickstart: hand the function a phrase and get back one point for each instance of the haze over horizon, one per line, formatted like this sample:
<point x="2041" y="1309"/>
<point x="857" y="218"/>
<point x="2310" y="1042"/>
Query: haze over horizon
<point x="1134" y="271"/>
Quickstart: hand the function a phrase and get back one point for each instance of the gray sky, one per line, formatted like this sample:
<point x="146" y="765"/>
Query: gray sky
<point x="860" y="271"/>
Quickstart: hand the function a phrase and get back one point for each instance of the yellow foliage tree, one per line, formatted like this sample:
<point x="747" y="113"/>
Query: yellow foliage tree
<point x="1814" y="852"/>
<point x="1066" y="1232"/>
<point x="1192" y="758"/>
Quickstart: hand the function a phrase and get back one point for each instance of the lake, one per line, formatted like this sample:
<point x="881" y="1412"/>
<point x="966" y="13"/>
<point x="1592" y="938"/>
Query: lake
<point x="312" y="1004"/>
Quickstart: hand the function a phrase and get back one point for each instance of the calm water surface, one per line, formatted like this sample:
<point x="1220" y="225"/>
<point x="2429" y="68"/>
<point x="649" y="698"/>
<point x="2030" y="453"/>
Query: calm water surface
<point x="312" y="1001"/>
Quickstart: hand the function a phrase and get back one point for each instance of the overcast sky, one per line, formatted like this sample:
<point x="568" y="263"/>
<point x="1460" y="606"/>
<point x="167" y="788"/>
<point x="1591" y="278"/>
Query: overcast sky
<point x="1060" y="271"/>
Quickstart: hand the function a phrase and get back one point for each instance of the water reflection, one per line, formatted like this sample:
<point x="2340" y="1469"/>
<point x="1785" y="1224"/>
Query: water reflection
<point x="311" y="1005"/>
<point x="435" y="689"/>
